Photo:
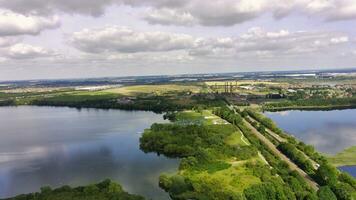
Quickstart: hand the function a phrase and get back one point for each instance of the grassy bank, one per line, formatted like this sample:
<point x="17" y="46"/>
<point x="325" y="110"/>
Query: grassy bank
<point x="346" y="157"/>
<point x="311" y="104"/>
<point x="310" y="108"/>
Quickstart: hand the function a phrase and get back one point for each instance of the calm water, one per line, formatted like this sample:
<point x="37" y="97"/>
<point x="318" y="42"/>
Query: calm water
<point x="56" y="146"/>
<point x="328" y="131"/>
<point x="349" y="169"/>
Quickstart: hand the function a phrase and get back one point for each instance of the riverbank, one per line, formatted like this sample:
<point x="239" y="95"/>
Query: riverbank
<point x="311" y="104"/>
<point x="345" y="158"/>
<point x="309" y="108"/>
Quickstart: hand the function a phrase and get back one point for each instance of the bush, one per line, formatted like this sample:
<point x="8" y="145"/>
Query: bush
<point x="325" y="193"/>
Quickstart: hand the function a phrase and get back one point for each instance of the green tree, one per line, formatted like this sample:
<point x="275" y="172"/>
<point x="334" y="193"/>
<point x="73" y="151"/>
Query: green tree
<point x="341" y="192"/>
<point x="325" y="193"/>
<point x="326" y="175"/>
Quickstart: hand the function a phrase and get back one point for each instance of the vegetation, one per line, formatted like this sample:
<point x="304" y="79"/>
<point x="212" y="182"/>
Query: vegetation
<point x="308" y="150"/>
<point x="106" y="190"/>
<point x="157" y="98"/>
<point x="115" y="101"/>
<point x="214" y="165"/>
<point x="220" y="156"/>
<point x="155" y="89"/>
<point x="312" y="104"/>
<point x="346" y="157"/>
<point x="297" y="157"/>
<point x="341" y="184"/>
<point x="326" y="193"/>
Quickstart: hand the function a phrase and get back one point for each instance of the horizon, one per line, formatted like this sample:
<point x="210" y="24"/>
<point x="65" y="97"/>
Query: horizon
<point x="183" y="75"/>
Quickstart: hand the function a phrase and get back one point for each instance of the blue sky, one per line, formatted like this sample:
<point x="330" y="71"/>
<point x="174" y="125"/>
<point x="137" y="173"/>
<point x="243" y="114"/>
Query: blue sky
<point x="42" y="39"/>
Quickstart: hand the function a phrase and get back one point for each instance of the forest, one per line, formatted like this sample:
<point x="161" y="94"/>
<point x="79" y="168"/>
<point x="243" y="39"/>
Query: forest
<point x="104" y="190"/>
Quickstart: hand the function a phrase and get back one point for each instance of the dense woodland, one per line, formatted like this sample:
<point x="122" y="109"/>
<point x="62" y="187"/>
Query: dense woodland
<point x="312" y="104"/>
<point x="102" y="191"/>
<point x="147" y="103"/>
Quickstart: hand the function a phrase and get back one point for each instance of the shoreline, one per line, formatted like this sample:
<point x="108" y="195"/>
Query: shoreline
<point x="345" y="157"/>
<point x="309" y="108"/>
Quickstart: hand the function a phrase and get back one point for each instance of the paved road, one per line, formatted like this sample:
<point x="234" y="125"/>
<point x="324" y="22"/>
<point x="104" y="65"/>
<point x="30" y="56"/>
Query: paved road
<point x="291" y="165"/>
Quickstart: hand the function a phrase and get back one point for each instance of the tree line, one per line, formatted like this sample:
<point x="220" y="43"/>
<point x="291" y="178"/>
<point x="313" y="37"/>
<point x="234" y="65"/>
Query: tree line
<point x="334" y="184"/>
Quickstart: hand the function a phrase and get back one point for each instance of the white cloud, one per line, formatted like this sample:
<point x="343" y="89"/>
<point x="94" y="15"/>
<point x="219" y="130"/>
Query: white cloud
<point x="125" y="40"/>
<point x="188" y="12"/>
<point x="17" y="24"/>
<point x="257" y="41"/>
<point x="338" y="40"/>
<point x="25" y="51"/>
<point x="169" y="17"/>
<point x="114" y="41"/>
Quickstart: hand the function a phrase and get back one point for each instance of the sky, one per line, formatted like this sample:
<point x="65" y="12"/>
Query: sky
<point x="51" y="39"/>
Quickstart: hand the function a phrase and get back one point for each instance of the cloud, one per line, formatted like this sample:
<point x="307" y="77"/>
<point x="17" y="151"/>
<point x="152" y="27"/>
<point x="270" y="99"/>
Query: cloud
<point x="125" y="40"/>
<point x="49" y="7"/>
<point x="338" y="40"/>
<point x="113" y="41"/>
<point x="169" y="17"/>
<point x="188" y="12"/>
<point x="22" y="51"/>
<point x="207" y="13"/>
<point x="12" y="24"/>
<point x="8" y="41"/>
<point x="257" y="42"/>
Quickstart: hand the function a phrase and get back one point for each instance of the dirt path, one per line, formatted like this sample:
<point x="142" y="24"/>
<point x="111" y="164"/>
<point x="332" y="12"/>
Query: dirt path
<point x="291" y="165"/>
<point x="281" y="140"/>
<point x="271" y="133"/>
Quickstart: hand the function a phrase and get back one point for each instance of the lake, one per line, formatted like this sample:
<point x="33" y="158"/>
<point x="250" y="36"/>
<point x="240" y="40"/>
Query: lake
<point x="58" y="146"/>
<point x="328" y="131"/>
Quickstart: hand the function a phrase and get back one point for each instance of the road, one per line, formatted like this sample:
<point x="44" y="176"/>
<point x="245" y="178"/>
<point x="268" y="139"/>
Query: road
<point x="271" y="133"/>
<point x="281" y="140"/>
<point x="274" y="149"/>
<point x="291" y="164"/>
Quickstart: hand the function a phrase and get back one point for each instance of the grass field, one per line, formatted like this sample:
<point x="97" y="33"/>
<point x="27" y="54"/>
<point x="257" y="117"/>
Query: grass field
<point x="346" y="157"/>
<point x="240" y="83"/>
<point x="237" y="139"/>
<point x="154" y="89"/>
<point x="199" y="117"/>
<point x="236" y="177"/>
<point x="233" y="179"/>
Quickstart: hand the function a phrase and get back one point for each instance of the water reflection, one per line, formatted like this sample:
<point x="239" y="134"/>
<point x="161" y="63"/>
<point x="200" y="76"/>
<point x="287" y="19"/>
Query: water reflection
<point x="349" y="169"/>
<point x="56" y="146"/>
<point x="329" y="131"/>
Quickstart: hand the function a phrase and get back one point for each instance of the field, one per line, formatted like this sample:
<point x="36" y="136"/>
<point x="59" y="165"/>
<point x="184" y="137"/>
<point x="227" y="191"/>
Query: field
<point x="246" y="87"/>
<point x="154" y="89"/>
<point x="241" y="83"/>
<point x="237" y="138"/>
<point x="346" y="157"/>
<point x="232" y="180"/>
<point x="201" y="117"/>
